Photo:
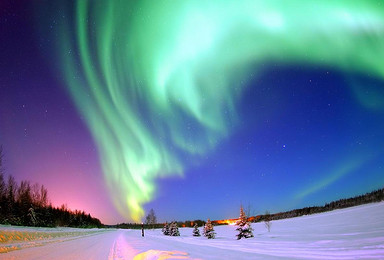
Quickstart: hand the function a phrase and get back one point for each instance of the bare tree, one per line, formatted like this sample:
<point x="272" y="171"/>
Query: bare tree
<point x="24" y="193"/>
<point x="44" y="197"/>
<point x="249" y="210"/>
<point x="267" y="220"/>
<point x="35" y="194"/>
<point x="151" y="218"/>
<point x="39" y="195"/>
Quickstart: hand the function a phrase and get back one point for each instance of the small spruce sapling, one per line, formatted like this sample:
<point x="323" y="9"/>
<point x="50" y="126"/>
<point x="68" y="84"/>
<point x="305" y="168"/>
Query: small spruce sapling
<point x="209" y="232"/>
<point x="243" y="226"/>
<point x="166" y="229"/>
<point x="32" y="215"/>
<point x="174" y="230"/>
<point x="196" y="231"/>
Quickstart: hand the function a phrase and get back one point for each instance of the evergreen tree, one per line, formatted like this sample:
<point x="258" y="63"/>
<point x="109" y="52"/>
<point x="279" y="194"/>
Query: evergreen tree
<point x="3" y="189"/>
<point x="196" y="231"/>
<point x="2" y="182"/>
<point x="24" y="201"/>
<point x="11" y="206"/>
<point x="209" y="232"/>
<point x="174" y="230"/>
<point x="166" y="229"/>
<point x="27" y="204"/>
<point x="243" y="226"/>
<point x="2" y="186"/>
<point x="32" y="217"/>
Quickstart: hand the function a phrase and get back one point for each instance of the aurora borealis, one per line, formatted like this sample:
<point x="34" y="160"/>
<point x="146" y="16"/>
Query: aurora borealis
<point x="271" y="92"/>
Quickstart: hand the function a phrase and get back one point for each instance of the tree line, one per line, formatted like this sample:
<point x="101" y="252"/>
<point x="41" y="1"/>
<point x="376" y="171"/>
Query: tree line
<point x="370" y="197"/>
<point x="26" y="204"/>
<point x="187" y="223"/>
<point x="374" y="196"/>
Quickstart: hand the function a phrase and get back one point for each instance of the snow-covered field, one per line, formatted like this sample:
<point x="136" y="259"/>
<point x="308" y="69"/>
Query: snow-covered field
<point x="350" y="233"/>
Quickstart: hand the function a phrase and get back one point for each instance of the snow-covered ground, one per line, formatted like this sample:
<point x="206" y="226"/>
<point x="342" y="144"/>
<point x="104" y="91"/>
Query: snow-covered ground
<point x="350" y="233"/>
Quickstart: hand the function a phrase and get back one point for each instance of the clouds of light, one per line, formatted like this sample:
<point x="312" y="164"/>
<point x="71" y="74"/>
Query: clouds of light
<point x="333" y="176"/>
<point x="158" y="81"/>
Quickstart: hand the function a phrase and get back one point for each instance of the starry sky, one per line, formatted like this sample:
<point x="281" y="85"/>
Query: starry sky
<point x="193" y="108"/>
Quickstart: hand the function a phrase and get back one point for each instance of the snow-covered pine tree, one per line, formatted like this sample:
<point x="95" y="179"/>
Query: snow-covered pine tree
<point x="166" y="229"/>
<point x="174" y="230"/>
<point x="196" y="231"/>
<point x="209" y="232"/>
<point x="243" y="226"/>
<point x="32" y="215"/>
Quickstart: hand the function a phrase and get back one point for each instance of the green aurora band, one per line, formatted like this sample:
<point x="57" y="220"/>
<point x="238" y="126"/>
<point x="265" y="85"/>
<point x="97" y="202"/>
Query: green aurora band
<point x="158" y="81"/>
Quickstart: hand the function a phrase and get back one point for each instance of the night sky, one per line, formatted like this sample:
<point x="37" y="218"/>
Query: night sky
<point x="193" y="108"/>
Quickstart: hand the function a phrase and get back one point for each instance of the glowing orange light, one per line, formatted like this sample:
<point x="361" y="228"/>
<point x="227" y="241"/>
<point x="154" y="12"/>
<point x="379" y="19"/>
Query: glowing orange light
<point x="227" y="221"/>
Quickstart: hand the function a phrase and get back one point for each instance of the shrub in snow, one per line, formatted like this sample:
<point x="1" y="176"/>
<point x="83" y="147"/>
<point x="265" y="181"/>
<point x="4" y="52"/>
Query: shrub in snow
<point x="174" y="230"/>
<point x="243" y="226"/>
<point x="196" y="231"/>
<point x="267" y="221"/>
<point x="209" y="232"/>
<point x="166" y="229"/>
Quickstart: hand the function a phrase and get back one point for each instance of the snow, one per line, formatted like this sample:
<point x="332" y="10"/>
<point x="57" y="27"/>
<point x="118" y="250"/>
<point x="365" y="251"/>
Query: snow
<point x="356" y="232"/>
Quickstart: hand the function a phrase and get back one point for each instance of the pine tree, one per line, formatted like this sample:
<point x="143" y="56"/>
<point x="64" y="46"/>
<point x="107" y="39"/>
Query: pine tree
<point x="3" y="190"/>
<point x="166" y="229"/>
<point x="11" y="201"/>
<point x="174" y="230"/>
<point x="243" y="226"/>
<point x="196" y="231"/>
<point x="32" y="216"/>
<point x="2" y="181"/>
<point x="209" y="232"/>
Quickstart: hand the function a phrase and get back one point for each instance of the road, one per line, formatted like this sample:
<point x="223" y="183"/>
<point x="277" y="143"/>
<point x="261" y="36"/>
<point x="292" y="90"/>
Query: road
<point x="121" y="244"/>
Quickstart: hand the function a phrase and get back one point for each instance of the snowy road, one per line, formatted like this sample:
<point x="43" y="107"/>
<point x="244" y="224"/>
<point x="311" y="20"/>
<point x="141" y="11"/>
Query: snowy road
<point x="342" y="234"/>
<point x="121" y="244"/>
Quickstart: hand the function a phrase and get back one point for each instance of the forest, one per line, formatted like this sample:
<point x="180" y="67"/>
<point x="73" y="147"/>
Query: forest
<point x="370" y="197"/>
<point x="26" y="204"/>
